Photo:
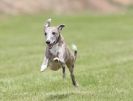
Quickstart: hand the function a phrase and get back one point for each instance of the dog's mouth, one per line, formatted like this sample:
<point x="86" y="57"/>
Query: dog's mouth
<point x="50" y="45"/>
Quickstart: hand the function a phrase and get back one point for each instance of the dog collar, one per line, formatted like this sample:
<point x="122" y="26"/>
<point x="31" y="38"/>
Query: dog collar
<point x="55" y="42"/>
<point x="57" y="39"/>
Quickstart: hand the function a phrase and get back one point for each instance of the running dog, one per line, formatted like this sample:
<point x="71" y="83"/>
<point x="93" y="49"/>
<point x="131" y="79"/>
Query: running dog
<point x="57" y="54"/>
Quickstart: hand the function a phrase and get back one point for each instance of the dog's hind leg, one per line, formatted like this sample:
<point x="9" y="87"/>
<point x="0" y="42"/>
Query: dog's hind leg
<point x="63" y="71"/>
<point x="71" y="69"/>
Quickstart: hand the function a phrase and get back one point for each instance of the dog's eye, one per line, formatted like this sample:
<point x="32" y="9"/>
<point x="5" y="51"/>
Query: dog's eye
<point x="53" y="33"/>
<point x="45" y="33"/>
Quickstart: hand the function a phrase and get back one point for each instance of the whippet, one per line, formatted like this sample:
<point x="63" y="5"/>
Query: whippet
<point x="57" y="54"/>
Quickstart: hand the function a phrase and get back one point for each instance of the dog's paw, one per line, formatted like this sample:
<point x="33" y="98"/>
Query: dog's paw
<point x="43" y="67"/>
<point x="56" y="59"/>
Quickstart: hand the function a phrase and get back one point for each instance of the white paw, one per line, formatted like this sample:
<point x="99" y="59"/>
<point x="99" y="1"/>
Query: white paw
<point x="56" y="59"/>
<point x="43" y="67"/>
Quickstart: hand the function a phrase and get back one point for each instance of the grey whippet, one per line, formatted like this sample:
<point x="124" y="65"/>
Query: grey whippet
<point x="57" y="54"/>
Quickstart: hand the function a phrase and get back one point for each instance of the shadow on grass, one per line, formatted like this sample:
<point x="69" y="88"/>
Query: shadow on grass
<point x="59" y="96"/>
<point x="65" y="95"/>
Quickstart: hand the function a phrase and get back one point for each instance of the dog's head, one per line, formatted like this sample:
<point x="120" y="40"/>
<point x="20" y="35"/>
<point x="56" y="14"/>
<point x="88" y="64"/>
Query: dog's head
<point x="52" y="34"/>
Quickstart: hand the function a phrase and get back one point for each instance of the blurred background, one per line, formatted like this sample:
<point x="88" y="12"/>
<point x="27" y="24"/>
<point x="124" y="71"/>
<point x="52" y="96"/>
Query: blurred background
<point x="102" y="31"/>
<point x="14" y="7"/>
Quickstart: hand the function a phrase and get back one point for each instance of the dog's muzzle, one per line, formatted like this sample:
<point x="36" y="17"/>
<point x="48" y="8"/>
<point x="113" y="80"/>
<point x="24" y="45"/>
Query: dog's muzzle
<point x="47" y="42"/>
<point x="50" y="45"/>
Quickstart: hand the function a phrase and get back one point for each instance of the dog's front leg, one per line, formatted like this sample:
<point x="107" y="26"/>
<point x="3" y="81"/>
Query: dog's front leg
<point x="44" y="64"/>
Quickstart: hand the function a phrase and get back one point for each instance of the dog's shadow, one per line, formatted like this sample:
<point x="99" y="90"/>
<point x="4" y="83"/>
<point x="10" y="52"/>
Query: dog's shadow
<point x="59" y="96"/>
<point x="66" y="94"/>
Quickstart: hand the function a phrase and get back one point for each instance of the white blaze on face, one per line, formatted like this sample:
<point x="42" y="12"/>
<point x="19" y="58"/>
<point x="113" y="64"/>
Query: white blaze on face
<point x="49" y="34"/>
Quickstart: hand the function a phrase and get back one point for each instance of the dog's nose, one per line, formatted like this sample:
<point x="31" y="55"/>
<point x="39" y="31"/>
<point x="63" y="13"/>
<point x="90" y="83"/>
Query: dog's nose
<point x="47" y="42"/>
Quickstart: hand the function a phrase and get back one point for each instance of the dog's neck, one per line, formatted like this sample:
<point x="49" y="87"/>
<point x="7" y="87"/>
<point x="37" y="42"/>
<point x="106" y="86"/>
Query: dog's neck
<point x="54" y="50"/>
<point x="58" y="39"/>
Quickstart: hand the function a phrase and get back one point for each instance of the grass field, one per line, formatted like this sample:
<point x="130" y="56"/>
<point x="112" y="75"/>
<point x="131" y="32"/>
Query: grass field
<point x="104" y="68"/>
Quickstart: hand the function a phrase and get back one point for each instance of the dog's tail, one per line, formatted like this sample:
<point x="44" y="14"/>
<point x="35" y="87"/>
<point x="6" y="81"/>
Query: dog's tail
<point x="74" y="47"/>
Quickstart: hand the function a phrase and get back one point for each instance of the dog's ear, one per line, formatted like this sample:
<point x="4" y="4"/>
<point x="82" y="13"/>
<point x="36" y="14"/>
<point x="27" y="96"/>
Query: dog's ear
<point x="60" y="27"/>
<point x="48" y="23"/>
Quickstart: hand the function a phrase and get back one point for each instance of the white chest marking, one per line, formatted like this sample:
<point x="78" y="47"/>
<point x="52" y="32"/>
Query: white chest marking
<point x="55" y="49"/>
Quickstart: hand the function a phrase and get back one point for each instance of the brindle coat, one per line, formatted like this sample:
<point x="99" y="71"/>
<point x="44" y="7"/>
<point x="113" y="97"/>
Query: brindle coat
<point x="57" y="54"/>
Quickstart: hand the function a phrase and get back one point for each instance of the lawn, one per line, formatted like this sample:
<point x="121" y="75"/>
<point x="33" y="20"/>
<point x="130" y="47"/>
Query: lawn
<point x="104" y="67"/>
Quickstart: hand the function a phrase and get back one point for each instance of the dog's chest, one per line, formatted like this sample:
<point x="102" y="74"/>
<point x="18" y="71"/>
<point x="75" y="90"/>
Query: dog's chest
<point x="55" y="50"/>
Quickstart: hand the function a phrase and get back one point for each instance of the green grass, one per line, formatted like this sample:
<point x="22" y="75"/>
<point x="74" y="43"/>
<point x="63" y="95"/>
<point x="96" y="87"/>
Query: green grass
<point x="104" y="68"/>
